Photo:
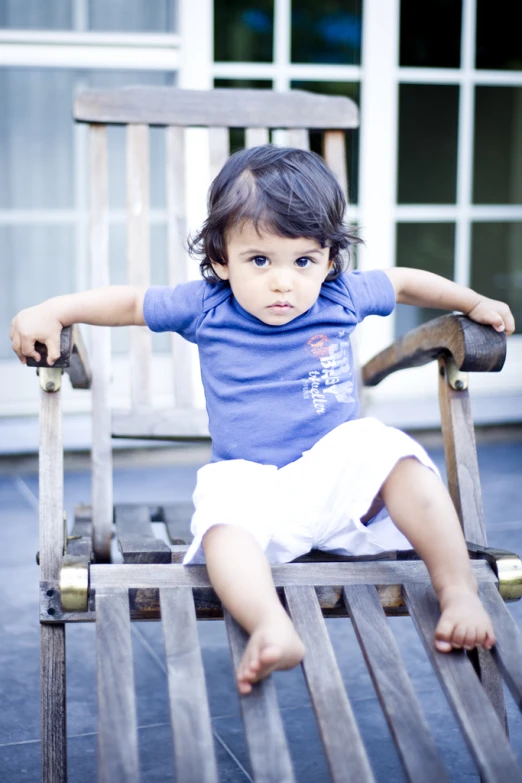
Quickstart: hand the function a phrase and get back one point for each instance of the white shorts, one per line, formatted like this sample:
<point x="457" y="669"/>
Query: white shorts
<point x="316" y="502"/>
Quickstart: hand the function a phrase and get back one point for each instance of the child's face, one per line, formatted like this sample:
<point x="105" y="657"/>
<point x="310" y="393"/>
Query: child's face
<point x="274" y="278"/>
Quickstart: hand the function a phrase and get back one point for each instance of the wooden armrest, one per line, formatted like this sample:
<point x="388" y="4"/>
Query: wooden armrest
<point x="474" y="347"/>
<point x="73" y="357"/>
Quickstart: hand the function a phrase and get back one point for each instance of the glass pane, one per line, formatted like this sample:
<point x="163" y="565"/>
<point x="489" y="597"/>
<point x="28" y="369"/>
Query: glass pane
<point x="497" y="264"/>
<point x="349" y="90"/>
<point x="499" y="44"/>
<point x="498" y="145"/>
<point x="428" y="128"/>
<point x="243" y="30"/>
<point x="327" y="32"/>
<point x="428" y="246"/>
<point x="423" y="27"/>
<point x="132" y="16"/>
<point x="35" y="14"/>
<point x="37" y="137"/>
<point x="41" y="255"/>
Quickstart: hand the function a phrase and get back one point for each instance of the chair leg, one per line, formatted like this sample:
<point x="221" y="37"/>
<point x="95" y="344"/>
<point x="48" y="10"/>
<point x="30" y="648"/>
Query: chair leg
<point x="492" y="682"/>
<point x="53" y="716"/>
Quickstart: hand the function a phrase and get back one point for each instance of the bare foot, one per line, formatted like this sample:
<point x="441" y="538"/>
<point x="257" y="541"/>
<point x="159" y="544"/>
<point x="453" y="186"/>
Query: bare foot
<point x="464" y="623"/>
<point x="274" y="645"/>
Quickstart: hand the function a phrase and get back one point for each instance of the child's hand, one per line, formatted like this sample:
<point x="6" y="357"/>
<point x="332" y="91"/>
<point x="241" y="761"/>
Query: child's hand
<point x="496" y="314"/>
<point x="36" y="324"/>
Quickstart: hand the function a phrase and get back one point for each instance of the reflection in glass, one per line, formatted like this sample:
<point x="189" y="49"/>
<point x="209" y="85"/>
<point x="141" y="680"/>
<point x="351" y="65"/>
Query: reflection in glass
<point x="430" y="34"/>
<point x="498" y="145"/>
<point x="132" y="16"/>
<point x="428" y="246"/>
<point x="36" y="14"/>
<point x="499" y="44"/>
<point x="326" y="32"/>
<point x="243" y="31"/>
<point x="349" y="90"/>
<point x="37" y="263"/>
<point x="428" y="128"/>
<point x="497" y="264"/>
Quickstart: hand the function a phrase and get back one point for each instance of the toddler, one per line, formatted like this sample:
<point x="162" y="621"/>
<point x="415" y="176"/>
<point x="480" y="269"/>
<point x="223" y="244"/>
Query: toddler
<point x="293" y="467"/>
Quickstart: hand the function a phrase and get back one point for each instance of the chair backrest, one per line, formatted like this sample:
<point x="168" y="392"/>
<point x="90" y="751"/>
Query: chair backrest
<point x="290" y="116"/>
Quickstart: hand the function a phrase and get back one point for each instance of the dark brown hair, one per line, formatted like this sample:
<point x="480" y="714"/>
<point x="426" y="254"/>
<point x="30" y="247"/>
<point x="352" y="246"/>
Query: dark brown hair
<point x="288" y="192"/>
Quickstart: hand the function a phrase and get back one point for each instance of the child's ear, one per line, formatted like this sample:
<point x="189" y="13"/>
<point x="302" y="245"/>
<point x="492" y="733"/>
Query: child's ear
<point x="220" y="270"/>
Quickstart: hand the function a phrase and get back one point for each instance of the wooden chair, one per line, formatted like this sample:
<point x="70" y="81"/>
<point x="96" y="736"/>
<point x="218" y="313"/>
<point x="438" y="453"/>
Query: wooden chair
<point x="79" y="584"/>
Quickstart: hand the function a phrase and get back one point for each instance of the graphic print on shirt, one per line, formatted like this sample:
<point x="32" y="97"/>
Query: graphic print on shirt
<point x="333" y="376"/>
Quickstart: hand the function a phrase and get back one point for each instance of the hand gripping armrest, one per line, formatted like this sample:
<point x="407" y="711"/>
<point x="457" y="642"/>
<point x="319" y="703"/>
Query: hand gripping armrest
<point x="474" y="347"/>
<point x="73" y="357"/>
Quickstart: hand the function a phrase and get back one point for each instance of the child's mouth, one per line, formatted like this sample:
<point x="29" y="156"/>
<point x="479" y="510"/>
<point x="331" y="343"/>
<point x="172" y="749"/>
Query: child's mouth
<point x="281" y="306"/>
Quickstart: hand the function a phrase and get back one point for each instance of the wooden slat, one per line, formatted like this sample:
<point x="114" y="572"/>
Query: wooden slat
<point x="406" y="721"/>
<point x="138" y="256"/>
<point x="299" y="138"/>
<point x="177" y="517"/>
<point x="460" y="451"/>
<point x="267" y="746"/>
<point x="50" y="468"/>
<point x="219" y="145"/>
<point x="216" y="108"/>
<point x="334" y="151"/>
<point x="136" y="537"/>
<point x="316" y="574"/>
<point x="345" y="753"/>
<point x="478" y="720"/>
<point x="189" y="710"/>
<point x="177" y="255"/>
<point x="117" y="724"/>
<point x="164" y="424"/>
<point x="53" y="716"/>
<point x="475" y="348"/>
<point x="507" y="651"/>
<point x="256" y="137"/>
<point x="100" y="348"/>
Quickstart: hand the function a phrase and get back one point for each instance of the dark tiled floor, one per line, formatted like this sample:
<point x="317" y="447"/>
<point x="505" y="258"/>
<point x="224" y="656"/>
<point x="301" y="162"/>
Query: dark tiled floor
<point x="501" y="467"/>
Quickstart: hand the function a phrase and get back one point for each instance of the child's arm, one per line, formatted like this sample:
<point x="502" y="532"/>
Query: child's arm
<point x="424" y="289"/>
<point x="111" y="306"/>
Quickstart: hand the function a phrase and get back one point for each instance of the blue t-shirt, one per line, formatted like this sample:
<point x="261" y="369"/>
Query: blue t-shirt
<point x="272" y="391"/>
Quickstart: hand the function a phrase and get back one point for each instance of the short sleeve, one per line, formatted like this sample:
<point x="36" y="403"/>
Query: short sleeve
<point x="175" y="309"/>
<point x="371" y="292"/>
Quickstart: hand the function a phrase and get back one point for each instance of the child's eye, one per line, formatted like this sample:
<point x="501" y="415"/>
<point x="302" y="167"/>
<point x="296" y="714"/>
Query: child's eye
<point x="261" y="262"/>
<point x="304" y="262"/>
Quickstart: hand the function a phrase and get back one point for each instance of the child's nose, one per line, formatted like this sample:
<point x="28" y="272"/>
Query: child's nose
<point x="281" y="282"/>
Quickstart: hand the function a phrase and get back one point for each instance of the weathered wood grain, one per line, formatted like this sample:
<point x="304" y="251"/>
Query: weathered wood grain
<point x="177" y="256"/>
<point x="117" y="724"/>
<point x="266" y="741"/>
<point x="475" y="348"/>
<point x="50" y="480"/>
<point x="478" y="720"/>
<point x="177" y="518"/>
<point x="136" y="537"/>
<point x="256" y="137"/>
<point x="343" y="746"/>
<point x="189" y="710"/>
<point x="183" y="424"/>
<point x="406" y="721"/>
<point x="334" y="151"/>
<point x="138" y="256"/>
<point x="215" y="108"/>
<point x="316" y="574"/>
<point x="53" y="716"/>
<point x="461" y="458"/>
<point x="100" y="348"/>
<point x="507" y="652"/>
